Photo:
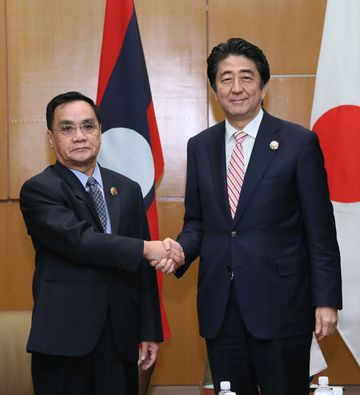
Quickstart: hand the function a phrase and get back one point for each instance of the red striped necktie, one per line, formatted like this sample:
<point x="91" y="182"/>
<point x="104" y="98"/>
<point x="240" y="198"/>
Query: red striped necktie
<point x="236" y="172"/>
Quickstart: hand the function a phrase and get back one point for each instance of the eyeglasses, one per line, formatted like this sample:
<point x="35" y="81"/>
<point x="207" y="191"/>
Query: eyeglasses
<point x="86" y="128"/>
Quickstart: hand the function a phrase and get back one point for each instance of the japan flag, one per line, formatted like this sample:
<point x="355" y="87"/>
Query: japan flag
<point x="336" y="119"/>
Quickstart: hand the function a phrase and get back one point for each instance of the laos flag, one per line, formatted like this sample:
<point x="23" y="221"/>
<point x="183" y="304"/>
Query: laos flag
<point x="130" y="142"/>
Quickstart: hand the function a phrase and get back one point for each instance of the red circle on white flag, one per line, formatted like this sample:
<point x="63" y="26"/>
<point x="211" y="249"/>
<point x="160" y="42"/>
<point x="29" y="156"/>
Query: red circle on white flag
<point x="339" y="133"/>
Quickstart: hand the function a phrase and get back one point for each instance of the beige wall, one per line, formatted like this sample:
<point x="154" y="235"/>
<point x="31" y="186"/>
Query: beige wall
<point x="48" y="47"/>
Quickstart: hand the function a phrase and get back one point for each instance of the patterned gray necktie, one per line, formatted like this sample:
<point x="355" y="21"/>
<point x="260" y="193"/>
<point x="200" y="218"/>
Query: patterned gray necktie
<point x="98" y="199"/>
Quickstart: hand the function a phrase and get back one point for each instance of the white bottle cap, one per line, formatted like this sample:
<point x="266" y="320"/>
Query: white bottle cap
<point x="337" y="390"/>
<point x="323" y="380"/>
<point x="231" y="393"/>
<point x="224" y="385"/>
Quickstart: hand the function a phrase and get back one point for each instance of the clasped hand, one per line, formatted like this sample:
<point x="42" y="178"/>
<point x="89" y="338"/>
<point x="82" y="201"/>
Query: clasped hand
<point x="166" y="256"/>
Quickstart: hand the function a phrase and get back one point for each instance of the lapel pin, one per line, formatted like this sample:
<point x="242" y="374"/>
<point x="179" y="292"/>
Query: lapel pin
<point x="274" y="145"/>
<point x="113" y="191"/>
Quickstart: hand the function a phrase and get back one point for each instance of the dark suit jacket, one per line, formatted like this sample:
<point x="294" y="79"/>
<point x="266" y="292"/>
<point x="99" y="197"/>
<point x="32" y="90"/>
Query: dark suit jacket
<point x="281" y="245"/>
<point x="82" y="273"/>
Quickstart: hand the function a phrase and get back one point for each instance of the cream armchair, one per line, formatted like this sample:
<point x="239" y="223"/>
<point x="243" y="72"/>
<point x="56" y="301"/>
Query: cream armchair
<point x="15" y="370"/>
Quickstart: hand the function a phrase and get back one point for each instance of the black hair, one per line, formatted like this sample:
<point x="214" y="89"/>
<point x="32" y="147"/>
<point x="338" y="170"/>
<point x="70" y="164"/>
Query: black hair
<point x="67" y="98"/>
<point x="237" y="46"/>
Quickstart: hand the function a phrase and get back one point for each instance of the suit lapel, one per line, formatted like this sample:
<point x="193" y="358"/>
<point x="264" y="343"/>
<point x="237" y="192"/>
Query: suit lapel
<point x="216" y="151"/>
<point x="260" y="159"/>
<point x="78" y="189"/>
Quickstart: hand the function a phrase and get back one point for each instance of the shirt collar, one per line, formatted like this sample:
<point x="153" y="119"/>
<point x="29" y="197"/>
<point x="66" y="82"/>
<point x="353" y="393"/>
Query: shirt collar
<point x="83" y="177"/>
<point x="251" y="128"/>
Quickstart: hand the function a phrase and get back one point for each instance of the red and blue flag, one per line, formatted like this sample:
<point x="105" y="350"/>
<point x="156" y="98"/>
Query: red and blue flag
<point x="130" y="141"/>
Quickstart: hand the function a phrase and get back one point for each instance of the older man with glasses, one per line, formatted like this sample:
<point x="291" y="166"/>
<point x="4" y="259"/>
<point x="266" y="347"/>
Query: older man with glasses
<point x="94" y="286"/>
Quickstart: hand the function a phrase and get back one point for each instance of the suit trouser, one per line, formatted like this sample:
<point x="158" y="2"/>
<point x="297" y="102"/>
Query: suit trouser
<point x="278" y="366"/>
<point x="100" y="373"/>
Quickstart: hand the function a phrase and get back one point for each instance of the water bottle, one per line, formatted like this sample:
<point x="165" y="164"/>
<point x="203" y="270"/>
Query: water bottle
<point x="323" y="387"/>
<point x="224" y="388"/>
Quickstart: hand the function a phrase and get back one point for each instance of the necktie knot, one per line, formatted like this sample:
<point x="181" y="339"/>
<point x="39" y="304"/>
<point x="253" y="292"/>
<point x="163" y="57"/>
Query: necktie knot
<point x="91" y="182"/>
<point x="240" y="136"/>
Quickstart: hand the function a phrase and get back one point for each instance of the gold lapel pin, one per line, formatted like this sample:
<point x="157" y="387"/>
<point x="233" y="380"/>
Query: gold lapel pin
<point x="274" y="145"/>
<point x="113" y="191"/>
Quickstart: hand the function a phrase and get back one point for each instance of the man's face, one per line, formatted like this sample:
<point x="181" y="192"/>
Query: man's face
<point x="76" y="136"/>
<point x="238" y="89"/>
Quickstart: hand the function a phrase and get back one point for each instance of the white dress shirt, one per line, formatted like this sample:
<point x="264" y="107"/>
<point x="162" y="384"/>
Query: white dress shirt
<point x="251" y="129"/>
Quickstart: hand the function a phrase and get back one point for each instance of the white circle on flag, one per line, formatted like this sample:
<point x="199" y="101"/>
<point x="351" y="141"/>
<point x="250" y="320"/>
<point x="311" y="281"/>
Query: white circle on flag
<point x="127" y="152"/>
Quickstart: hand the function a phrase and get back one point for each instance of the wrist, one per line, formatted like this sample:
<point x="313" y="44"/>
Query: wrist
<point x="146" y="248"/>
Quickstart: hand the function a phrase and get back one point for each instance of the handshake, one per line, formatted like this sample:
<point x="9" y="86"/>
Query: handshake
<point x="166" y="256"/>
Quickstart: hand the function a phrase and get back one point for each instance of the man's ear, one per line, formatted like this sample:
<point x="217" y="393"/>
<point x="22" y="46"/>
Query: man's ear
<point x="265" y="89"/>
<point x="213" y="92"/>
<point x="51" y="139"/>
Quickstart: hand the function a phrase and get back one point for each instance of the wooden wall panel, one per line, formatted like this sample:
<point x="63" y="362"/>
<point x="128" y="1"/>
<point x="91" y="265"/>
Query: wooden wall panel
<point x="21" y="260"/>
<point x="16" y="260"/>
<point x="177" y="74"/>
<point x="3" y="105"/>
<point x="289" y="32"/>
<point x="56" y="49"/>
<point x="175" y="45"/>
<point x="291" y="98"/>
<point x="5" y="277"/>
<point x="182" y="357"/>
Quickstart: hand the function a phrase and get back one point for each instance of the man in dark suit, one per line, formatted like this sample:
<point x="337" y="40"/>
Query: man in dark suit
<point x="257" y="212"/>
<point x="95" y="294"/>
